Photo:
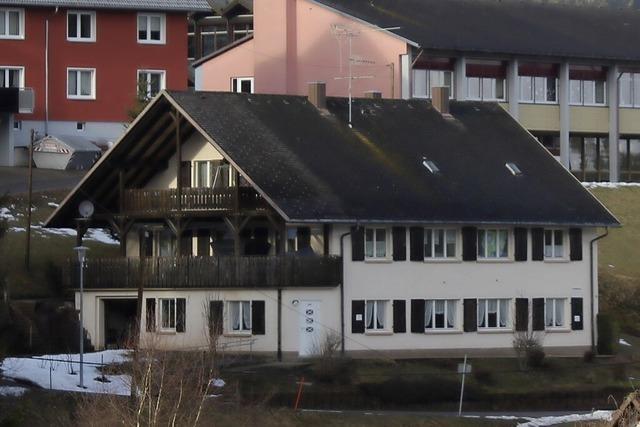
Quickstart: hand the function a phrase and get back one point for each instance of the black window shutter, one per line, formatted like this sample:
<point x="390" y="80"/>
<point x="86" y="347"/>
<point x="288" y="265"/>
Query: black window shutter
<point x="146" y="243"/>
<point x="522" y="314"/>
<point x="181" y="314"/>
<point x="357" y="317"/>
<point x="186" y="245"/>
<point x="417" y="316"/>
<point x="204" y="240"/>
<point x="357" y="244"/>
<point x="185" y="171"/>
<point x="575" y="242"/>
<point x="257" y="318"/>
<point x="151" y="314"/>
<point x="520" y="235"/>
<point x="469" y="244"/>
<point x="537" y="244"/>
<point x="399" y="244"/>
<point x="470" y="315"/>
<point x="216" y="317"/>
<point x="537" y="308"/>
<point x="577" y="323"/>
<point x="399" y="316"/>
<point x="416" y="244"/>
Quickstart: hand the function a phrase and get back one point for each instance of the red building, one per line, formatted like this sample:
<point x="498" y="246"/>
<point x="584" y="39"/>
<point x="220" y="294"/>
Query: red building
<point x="88" y="65"/>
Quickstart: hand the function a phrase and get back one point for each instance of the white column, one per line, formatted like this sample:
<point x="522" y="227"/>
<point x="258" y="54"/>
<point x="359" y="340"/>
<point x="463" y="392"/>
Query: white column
<point x="460" y="72"/>
<point x="405" y="70"/>
<point x="565" y="113"/>
<point x="513" y="85"/>
<point x="614" y="123"/>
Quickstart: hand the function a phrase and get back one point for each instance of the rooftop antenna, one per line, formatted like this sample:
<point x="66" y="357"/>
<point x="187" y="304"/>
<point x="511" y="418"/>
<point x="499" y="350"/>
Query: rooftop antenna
<point x="344" y="32"/>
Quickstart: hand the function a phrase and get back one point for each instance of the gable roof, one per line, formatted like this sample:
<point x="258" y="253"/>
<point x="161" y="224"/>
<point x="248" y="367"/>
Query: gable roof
<point x="519" y="27"/>
<point x="160" y="5"/>
<point x="313" y="168"/>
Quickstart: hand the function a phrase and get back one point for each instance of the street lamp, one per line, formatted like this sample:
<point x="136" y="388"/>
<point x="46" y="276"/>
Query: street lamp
<point x="82" y="255"/>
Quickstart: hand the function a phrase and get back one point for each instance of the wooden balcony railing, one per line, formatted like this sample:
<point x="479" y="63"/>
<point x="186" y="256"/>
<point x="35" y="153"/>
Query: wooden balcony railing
<point x="145" y="202"/>
<point x="207" y="272"/>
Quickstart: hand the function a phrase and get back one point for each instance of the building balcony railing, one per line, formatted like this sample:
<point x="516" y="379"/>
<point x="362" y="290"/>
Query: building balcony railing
<point x="147" y="203"/>
<point x="207" y="272"/>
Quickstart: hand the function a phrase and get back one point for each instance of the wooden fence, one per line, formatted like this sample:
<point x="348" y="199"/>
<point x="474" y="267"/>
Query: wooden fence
<point x="207" y="272"/>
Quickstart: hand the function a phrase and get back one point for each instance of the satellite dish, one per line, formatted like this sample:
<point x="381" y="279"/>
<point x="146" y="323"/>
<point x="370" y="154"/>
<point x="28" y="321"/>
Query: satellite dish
<point x="86" y="209"/>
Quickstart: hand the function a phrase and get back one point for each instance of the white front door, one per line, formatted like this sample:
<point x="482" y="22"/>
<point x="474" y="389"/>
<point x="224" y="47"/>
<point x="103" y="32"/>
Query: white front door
<point x="310" y="329"/>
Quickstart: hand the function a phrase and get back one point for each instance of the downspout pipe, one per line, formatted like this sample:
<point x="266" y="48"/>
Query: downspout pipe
<point x="592" y="276"/>
<point x="342" y="292"/>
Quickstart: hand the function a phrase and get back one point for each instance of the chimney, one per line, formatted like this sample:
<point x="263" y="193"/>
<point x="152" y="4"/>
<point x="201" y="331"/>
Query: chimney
<point x="373" y="94"/>
<point x="318" y="95"/>
<point x="440" y="99"/>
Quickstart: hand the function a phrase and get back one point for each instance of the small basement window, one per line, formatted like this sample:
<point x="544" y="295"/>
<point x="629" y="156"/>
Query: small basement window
<point x="513" y="168"/>
<point x="431" y="166"/>
<point x="80" y="126"/>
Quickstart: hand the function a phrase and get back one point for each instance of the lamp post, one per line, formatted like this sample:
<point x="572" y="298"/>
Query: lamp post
<point x="82" y="255"/>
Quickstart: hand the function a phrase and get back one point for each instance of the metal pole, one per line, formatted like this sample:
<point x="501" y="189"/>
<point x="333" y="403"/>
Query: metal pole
<point x="27" y="253"/>
<point x="464" y="371"/>
<point x="350" y="36"/>
<point x="81" y="323"/>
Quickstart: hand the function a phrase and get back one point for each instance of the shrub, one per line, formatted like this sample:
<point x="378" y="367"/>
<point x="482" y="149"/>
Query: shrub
<point x="535" y="357"/>
<point x="607" y="334"/>
<point x="483" y="376"/>
<point x="589" y="356"/>
<point x="528" y="348"/>
<point x="330" y="366"/>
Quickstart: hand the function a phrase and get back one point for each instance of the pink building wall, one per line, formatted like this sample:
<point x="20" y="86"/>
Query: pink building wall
<point x="293" y="45"/>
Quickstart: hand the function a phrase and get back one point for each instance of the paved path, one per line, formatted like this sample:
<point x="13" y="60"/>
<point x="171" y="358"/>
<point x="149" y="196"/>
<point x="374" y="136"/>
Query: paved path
<point x="15" y="180"/>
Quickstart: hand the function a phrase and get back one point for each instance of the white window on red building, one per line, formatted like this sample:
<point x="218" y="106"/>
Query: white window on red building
<point x="11" y="23"/>
<point x="81" y="83"/>
<point x="81" y="26"/>
<point x="150" y="83"/>
<point x="151" y="28"/>
<point x="11" y="76"/>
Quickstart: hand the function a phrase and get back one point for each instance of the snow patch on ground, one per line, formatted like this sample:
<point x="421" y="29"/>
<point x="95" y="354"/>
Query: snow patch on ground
<point x="573" y="418"/>
<point x="53" y="205"/>
<point x="53" y="372"/>
<point x="610" y="184"/>
<point x="94" y="234"/>
<point x="12" y="391"/>
<point x="5" y="213"/>
<point x="622" y="341"/>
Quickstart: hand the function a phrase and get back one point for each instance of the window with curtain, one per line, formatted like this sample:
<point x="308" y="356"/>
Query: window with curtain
<point x="239" y="316"/>
<point x="81" y="26"/>
<point x="486" y="89"/>
<point x="168" y="314"/>
<point x="425" y="80"/>
<point x="440" y="314"/>
<point x="538" y="90"/>
<point x="11" y="76"/>
<point x="493" y="313"/>
<point x="375" y="315"/>
<point x="440" y="243"/>
<point x="493" y="243"/>
<point x="151" y="28"/>
<point x="150" y="83"/>
<point x="11" y="23"/>
<point x="554" y="244"/>
<point x="554" y="315"/>
<point x="587" y="92"/>
<point x="81" y="83"/>
<point x="375" y="243"/>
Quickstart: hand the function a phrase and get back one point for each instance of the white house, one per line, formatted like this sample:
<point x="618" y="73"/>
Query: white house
<point x="422" y="229"/>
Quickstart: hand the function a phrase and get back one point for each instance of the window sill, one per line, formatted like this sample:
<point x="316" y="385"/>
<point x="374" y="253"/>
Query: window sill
<point x="495" y="260"/>
<point x="93" y="40"/>
<point x="167" y="332"/>
<point x="378" y="332"/>
<point x="378" y="260"/>
<point x="12" y="37"/>
<point x="154" y="42"/>
<point x="557" y="330"/>
<point x="237" y="334"/>
<point x="557" y="260"/>
<point x="538" y="103"/>
<point x="81" y="98"/>
<point x="442" y="260"/>
<point x="442" y="332"/>
<point x="495" y="330"/>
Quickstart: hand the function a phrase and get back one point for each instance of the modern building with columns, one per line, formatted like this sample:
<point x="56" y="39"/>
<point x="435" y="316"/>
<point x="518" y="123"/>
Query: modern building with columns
<point x="570" y="72"/>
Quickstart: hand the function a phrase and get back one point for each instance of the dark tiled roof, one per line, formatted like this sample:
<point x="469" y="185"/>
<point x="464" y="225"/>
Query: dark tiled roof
<point x="164" y="5"/>
<point x="314" y="167"/>
<point x="522" y="27"/>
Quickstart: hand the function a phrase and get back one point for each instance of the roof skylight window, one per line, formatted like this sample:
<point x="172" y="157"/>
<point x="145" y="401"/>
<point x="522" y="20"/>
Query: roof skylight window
<point x="513" y="168"/>
<point x="431" y="166"/>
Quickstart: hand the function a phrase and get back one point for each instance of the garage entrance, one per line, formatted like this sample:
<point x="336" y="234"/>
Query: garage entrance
<point x="119" y="322"/>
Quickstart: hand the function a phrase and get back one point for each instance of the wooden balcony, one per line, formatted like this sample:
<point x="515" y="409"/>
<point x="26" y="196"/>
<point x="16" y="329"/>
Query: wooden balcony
<point x="207" y="272"/>
<point x="192" y="201"/>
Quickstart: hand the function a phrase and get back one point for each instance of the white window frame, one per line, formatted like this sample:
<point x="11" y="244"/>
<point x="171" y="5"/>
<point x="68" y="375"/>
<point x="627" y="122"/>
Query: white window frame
<point x="484" y="257"/>
<point x="498" y="314"/>
<point x="147" y="73"/>
<point x="170" y="328"/>
<point x="239" y="81"/>
<point x="582" y="100"/>
<point x="195" y="179"/>
<point x="491" y="98"/>
<point x="565" y="312"/>
<point x="241" y="329"/>
<point x="78" y="37"/>
<point x="163" y="28"/>
<point x="633" y="77"/>
<point x="4" y="75"/>
<point x="20" y="35"/>
<point x="533" y="90"/>
<point x="17" y="125"/>
<point x="78" y="71"/>
<point x="375" y="240"/>
<point x="563" y="250"/>
<point x="445" y="257"/>
<point x="429" y="86"/>
<point x="376" y="308"/>
<point x="433" y="327"/>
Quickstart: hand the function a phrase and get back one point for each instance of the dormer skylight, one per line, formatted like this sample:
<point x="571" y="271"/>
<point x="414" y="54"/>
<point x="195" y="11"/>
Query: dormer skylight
<point x="513" y="168"/>
<point x="431" y="166"/>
